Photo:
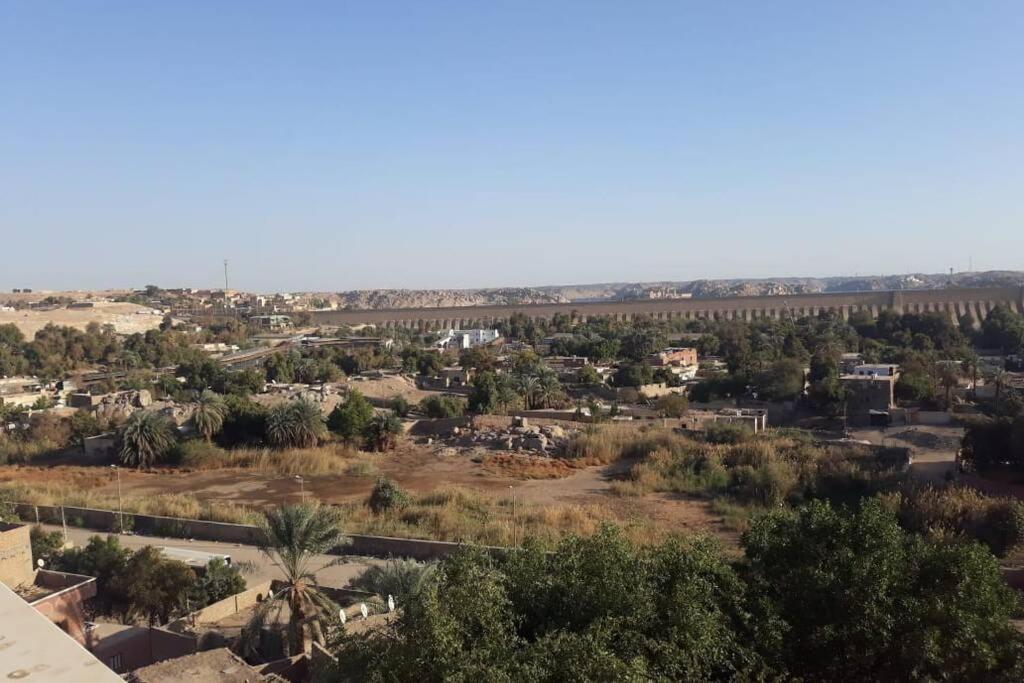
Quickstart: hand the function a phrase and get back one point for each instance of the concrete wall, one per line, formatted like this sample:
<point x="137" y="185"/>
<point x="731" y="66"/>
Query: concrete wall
<point x="222" y="608"/>
<point x="64" y="607"/>
<point x="104" y="520"/>
<point x="15" y="555"/>
<point x="140" y="646"/>
<point x="951" y="301"/>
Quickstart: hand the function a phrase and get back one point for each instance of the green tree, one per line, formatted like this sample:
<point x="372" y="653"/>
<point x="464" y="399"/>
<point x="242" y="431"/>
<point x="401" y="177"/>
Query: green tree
<point x="293" y="536"/>
<point x="588" y="374"/>
<point x="296" y="424"/>
<point x="219" y="580"/>
<point x="349" y="419"/>
<point x="859" y="599"/>
<point x="672" y="405"/>
<point x="146" y="438"/>
<point x="46" y="545"/>
<point x="104" y="559"/>
<point x="782" y="381"/>
<point x="209" y="413"/>
<point x="153" y="586"/>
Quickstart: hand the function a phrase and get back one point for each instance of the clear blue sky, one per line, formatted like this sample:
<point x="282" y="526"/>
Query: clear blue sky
<point x="343" y="145"/>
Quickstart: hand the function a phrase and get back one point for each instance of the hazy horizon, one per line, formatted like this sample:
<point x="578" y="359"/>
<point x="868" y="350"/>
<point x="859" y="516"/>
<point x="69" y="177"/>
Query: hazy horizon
<point x="457" y="145"/>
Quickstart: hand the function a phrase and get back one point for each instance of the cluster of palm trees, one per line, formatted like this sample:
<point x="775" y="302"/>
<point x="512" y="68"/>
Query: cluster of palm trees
<point x="296" y="424"/>
<point x="539" y="389"/>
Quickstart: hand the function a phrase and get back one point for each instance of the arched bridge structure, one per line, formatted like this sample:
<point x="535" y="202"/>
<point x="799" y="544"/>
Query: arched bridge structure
<point x="953" y="301"/>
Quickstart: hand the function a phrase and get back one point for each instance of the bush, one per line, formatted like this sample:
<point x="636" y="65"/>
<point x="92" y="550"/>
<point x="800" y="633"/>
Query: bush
<point x="399" y="406"/>
<point x="437" y="407"/>
<point x="46" y="545"/>
<point x="349" y="419"/>
<point x="768" y="485"/>
<point x="726" y="433"/>
<point x="1003" y="527"/>
<point x="387" y="495"/>
<point x="672" y="405"/>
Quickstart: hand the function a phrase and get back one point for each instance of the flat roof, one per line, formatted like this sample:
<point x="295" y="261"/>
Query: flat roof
<point x="35" y="648"/>
<point x="210" y="666"/>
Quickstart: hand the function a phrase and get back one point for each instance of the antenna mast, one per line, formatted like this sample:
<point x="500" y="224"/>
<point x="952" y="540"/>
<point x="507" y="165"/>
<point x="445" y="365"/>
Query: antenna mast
<point x="225" y="275"/>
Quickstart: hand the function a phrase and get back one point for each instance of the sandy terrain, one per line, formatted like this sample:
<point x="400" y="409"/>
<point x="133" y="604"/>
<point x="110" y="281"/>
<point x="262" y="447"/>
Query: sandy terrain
<point x="389" y="387"/>
<point x="126" y="318"/>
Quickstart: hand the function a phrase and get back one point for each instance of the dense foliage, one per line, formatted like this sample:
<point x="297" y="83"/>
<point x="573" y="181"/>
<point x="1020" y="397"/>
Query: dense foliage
<point x="824" y="594"/>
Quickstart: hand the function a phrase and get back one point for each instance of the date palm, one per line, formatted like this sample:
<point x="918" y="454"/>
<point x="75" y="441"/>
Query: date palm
<point x="209" y="414"/>
<point x="528" y="387"/>
<point x="146" y="438"/>
<point x="298" y="424"/>
<point x="292" y="537"/>
<point x="382" y="431"/>
<point x="549" y="390"/>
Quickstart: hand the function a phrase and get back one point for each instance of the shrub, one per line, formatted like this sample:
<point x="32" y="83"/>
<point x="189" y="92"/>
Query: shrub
<point x="437" y="407"/>
<point x="399" y="406"/>
<point x="768" y="485"/>
<point x="672" y="405"/>
<point x="726" y="433"/>
<point x="387" y="495"/>
<point x="1003" y="527"/>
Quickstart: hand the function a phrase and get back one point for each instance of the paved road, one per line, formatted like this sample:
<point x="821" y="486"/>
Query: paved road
<point x="262" y="569"/>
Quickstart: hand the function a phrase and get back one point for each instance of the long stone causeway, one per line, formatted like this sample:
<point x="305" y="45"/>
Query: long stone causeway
<point x="954" y="301"/>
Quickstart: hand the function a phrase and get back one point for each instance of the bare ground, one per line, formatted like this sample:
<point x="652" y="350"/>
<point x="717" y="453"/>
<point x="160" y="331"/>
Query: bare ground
<point x="418" y="469"/>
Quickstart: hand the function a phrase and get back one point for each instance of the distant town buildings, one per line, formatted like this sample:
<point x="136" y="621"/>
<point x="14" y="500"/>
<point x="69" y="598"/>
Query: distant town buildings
<point x="466" y="339"/>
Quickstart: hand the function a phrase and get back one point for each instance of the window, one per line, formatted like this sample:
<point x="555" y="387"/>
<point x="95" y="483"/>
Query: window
<point x="116" y="663"/>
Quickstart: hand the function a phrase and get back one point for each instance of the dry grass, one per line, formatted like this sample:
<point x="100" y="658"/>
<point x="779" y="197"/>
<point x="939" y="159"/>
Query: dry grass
<point x="531" y="466"/>
<point x="457" y="514"/>
<point x="22" y="451"/>
<point x="334" y="458"/>
<point x="167" y="505"/>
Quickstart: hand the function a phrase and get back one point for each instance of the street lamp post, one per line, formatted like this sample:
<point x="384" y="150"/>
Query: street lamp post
<point x="120" y="509"/>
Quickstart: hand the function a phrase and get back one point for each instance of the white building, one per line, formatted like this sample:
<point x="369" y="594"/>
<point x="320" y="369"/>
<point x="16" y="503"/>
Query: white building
<point x="465" y="339"/>
<point x="877" y="370"/>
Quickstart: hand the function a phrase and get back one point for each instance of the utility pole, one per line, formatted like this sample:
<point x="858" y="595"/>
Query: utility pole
<point x="120" y="508"/>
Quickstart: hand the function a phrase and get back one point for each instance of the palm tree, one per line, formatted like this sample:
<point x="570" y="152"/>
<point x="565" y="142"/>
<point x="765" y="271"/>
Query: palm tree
<point x="298" y="424"/>
<point x="209" y="414"/>
<point x="382" y="431"/>
<point x="549" y="390"/>
<point x="292" y="536"/>
<point x="949" y="378"/>
<point x="528" y="387"/>
<point x="400" y="578"/>
<point x="146" y="438"/>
